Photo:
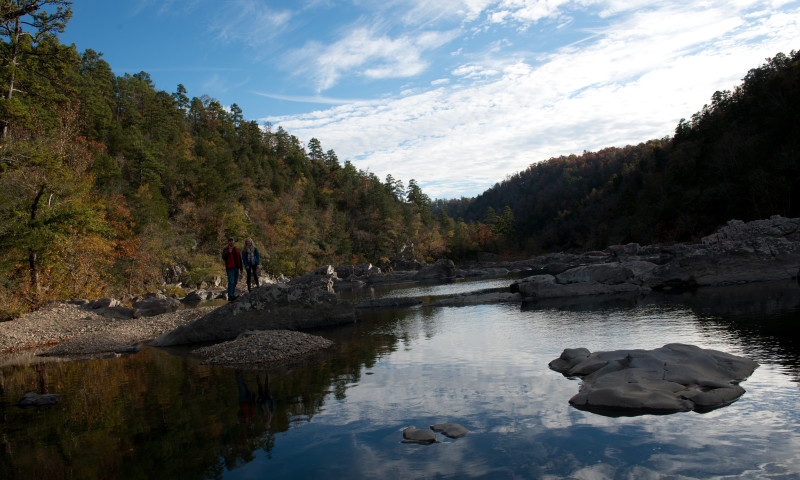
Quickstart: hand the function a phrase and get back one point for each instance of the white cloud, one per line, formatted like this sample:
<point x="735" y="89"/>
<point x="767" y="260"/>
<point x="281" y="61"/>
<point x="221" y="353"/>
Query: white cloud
<point x="631" y="82"/>
<point x="368" y="53"/>
<point x="250" y="22"/>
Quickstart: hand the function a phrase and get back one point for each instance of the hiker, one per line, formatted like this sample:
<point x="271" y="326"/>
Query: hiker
<point x="233" y="266"/>
<point x="252" y="261"/>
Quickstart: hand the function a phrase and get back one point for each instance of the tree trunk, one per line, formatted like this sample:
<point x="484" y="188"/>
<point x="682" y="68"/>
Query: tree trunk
<point x="33" y="263"/>
<point x="12" y="65"/>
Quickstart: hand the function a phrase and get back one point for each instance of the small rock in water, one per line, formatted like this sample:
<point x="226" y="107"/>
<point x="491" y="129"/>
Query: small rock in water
<point x="452" y="430"/>
<point x="34" y="400"/>
<point x="418" y="435"/>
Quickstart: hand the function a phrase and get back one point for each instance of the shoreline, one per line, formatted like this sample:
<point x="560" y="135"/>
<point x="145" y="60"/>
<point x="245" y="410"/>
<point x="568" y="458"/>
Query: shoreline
<point x="66" y="332"/>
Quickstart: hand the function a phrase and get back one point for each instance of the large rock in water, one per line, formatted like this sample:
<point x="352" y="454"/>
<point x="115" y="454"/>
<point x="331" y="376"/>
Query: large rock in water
<point x="303" y="303"/>
<point x="673" y="378"/>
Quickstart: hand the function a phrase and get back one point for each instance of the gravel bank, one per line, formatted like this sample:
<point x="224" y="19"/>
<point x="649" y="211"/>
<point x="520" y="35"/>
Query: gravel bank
<point x="263" y="349"/>
<point x="67" y="331"/>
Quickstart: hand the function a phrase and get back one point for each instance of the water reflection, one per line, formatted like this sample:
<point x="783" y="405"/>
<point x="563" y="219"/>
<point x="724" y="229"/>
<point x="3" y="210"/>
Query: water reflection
<point x="158" y="415"/>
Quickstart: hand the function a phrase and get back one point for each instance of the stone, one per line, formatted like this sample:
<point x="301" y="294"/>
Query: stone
<point x="345" y="271"/>
<point x="423" y="436"/>
<point x="156" y="305"/>
<point x="452" y="430"/>
<point x="442" y="268"/>
<point x="122" y="313"/>
<point x="673" y="378"/>
<point x="103" y="303"/>
<point x="35" y="400"/>
<point x="195" y="296"/>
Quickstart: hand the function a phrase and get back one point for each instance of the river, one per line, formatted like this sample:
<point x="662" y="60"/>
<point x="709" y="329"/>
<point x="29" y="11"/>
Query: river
<point x="163" y="414"/>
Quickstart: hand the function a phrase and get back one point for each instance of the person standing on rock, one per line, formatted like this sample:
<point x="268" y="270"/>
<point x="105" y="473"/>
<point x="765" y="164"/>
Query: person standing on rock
<point x="251" y="260"/>
<point x="233" y="267"/>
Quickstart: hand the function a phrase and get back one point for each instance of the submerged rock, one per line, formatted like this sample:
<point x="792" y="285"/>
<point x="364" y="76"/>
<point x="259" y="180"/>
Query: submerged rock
<point x="452" y="430"/>
<point x="422" y="436"/>
<point x="673" y="378"/>
<point x="35" y="400"/>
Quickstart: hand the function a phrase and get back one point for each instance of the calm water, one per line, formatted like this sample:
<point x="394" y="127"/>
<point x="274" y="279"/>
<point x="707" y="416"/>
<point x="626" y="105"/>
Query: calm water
<point x="164" y="415"/>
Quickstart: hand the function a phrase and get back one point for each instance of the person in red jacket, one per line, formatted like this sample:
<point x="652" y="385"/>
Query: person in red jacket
<point x="232" y="258"/>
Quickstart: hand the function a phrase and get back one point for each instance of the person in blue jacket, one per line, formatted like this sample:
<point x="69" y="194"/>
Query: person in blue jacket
<point x="252" y="261"/>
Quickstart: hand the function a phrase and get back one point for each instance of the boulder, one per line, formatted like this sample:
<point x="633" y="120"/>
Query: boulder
<point x="422" y="436"/>
<point x="673" y="378"/>
<point x="102" y="303"/>
<point x="345" y="271"/>
<point x="197" y="296"/>
<point x="452" y="430"/>
<point x="122" y="313"/>
<point x="303" y="303"/>
<point x="156" y="305"/>
<point x="442" y="268"/>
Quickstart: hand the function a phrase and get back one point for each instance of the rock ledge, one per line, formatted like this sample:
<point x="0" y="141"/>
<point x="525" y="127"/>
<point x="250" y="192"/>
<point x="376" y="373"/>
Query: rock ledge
<point x="673" y="378"/>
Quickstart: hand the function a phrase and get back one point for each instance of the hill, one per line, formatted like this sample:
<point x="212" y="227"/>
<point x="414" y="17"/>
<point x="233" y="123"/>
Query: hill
<point x="737" y="158"/>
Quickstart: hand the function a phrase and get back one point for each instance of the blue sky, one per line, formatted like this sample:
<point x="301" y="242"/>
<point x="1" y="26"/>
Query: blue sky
<point x="456" y="94"/>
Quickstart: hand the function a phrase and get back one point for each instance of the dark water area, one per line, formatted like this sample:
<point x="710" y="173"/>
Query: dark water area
<point x="160" y="414"/>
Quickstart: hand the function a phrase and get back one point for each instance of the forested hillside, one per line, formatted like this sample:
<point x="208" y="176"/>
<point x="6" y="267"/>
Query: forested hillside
<point x="737" y="158"/>
<point x="110" y="185"/>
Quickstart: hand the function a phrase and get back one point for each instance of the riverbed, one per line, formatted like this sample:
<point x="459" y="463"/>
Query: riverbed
<point x="164" y="414"/>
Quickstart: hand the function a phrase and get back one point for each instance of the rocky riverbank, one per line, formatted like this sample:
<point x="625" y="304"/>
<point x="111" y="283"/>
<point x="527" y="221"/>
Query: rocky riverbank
<point x="738" y="253"/>
<point x="70" y="331"/>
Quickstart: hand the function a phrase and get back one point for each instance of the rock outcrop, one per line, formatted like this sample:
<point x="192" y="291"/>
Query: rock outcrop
<point x="440" y="269"/>
<point x="673" y="378"/>
<point x="303" y="303"/>
<point x="737" y="253"/>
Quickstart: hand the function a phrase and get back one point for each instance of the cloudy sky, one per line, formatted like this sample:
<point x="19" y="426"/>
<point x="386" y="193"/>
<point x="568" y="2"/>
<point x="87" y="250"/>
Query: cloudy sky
<point x="456" y="94"/>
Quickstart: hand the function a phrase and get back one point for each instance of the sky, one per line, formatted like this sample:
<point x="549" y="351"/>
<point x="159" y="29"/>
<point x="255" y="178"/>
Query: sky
<point x="455" y="94"/>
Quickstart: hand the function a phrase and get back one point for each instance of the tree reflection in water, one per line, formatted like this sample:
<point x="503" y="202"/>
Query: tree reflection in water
<point x="161" y="415"/>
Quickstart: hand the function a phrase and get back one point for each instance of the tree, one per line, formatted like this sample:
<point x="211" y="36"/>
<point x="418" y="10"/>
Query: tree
<point x="25" y="27"/>
<point x="46" y="197"/>
<point x="315" y="150"/>
<point x="180" y="97"/>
